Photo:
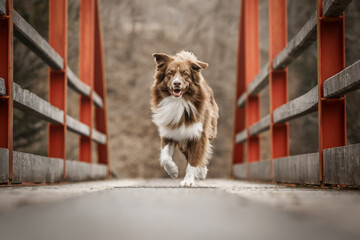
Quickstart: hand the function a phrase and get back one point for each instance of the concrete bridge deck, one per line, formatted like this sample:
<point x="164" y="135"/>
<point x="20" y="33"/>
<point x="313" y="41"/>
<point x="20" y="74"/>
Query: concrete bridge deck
<point x="159" y="209"/>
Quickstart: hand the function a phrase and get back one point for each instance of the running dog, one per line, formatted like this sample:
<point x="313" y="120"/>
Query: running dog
<point x="185" y="112"/>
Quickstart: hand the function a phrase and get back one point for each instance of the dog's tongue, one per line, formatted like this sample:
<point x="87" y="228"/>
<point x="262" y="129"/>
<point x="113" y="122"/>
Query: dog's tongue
<point x="177" y="92"/>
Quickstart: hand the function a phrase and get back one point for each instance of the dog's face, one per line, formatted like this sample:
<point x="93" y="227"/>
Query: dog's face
<point x="177" y="76"/>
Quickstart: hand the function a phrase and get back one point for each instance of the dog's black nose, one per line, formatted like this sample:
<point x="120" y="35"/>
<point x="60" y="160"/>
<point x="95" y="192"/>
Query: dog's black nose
<point x="176" y="83"/>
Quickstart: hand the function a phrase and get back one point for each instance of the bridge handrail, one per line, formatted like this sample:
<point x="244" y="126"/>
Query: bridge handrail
<point x="312" y="168"/>
<point x="18" y="167"/>
<point x="35" y="42"/>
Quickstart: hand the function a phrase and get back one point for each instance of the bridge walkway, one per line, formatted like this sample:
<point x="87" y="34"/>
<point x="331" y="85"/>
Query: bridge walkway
<point x="159" y="209"/>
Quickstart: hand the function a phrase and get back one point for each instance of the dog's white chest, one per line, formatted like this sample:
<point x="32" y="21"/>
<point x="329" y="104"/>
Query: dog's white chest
<point x="169" y="112"/>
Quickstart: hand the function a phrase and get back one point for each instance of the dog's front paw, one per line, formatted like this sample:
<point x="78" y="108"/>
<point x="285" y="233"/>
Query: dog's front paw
<point x="171" y="168"/>
<point x="187" y="182"/>
<point x="202" y="172"/>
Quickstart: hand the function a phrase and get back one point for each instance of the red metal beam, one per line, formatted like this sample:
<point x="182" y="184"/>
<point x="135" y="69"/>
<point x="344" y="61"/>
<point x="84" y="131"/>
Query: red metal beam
<point x="87" y="35"/>
<point x="251" y="34"/>
<point x="278" y="79"/>
<point x="331" y="60"/>
<point x="253" y="115"/>
<point x="6" y="72"/>
<point x="100" y="88"/>
<point x="57" y="78"/>
<point x="239" y="113"/>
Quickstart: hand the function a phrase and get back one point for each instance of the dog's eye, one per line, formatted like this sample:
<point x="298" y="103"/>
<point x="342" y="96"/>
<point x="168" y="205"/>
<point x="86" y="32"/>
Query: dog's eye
<point x="186" y="74"/>
<point x="169" y="74"/>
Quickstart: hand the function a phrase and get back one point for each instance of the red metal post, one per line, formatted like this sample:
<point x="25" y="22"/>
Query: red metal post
<point x="251" y="33"/>
<point x="57" y="78"/>
<point x="253" y="116"/>
<point x="239" y="113"/>
<point x="87" y="34"/>
<point x="278" y="78"/>
<point x="6" y="72"/>
<point x="100" y="88"/>
<point x="331" y="60"/>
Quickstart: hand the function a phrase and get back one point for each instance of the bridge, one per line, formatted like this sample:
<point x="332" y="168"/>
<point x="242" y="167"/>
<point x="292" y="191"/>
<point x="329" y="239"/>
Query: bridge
<point x="314" y="195"/>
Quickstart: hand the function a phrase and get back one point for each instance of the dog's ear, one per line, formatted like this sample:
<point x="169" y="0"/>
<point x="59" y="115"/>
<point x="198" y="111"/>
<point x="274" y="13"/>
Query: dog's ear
<point x="198" y="65"/>
<point x="161" y="59"/>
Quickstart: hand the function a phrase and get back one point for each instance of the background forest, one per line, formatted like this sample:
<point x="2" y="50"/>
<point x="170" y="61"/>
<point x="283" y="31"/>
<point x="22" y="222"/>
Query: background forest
<point x="132" y="31"/>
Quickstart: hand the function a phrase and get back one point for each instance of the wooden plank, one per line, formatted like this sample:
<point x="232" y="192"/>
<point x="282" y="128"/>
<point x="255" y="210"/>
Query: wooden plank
<point x="342" y="165"/>
<point x="240" y="170"/>
<point x="31" y="103"/>
<point x="98" y="137"/>
<point x="344" y="82"/>
<point x="307" y="34"/>
<point x="97" y="100"/>
<point x="98" y="171"/>
<point x="260" y="126"/>
<point x="242" y="99"/>
<point x="2" y="87"/>
<point x="32" y="39"/>
<point x="81" y="171"/>
<point x="297" y="107"/>
<point x="334" y="8"/>
<point x="77" y="171"/>
<point x="297" y="169"/>
<point x="260" y="81"/>
<point x="298" y="44"/>
<point x="241" y="136"/>
<point x="260" y="171"/>
<point x="76" y="126"/>
<point x="76" y="84"/>
<point x="4" y="165"/>
<point x="33" y="168"/>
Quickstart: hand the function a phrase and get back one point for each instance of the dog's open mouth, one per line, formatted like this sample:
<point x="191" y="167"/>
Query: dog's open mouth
<point x="177" y="92"/>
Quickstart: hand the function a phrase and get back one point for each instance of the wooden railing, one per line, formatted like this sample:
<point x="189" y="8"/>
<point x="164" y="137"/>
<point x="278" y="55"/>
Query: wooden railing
<point x="18" y="167"/>
<point x="336" y="162"/>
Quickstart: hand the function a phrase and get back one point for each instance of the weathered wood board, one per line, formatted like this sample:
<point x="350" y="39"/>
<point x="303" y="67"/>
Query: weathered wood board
<point x="334" y="8"/>
<point x="342" y="165"/>
<point x="33" y="168"/>
<point x="241" y="136"/>
<point x="32" y="39"/>
<point x="344" y="82"/>
<point x="33" y="104"/>
<point x="77" y="126"/>
<point x="297" y="107"/>
<point x="260" y="126"/>
<point x="298" y="44"/>
<point x="297" y="169"/>
<point x="4" y="165"/>
<point x="240" y="171"/>
<point x="260" y="171"/>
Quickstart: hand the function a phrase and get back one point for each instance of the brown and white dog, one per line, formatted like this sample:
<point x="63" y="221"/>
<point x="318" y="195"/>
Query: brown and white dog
<point x="185" y="112"/>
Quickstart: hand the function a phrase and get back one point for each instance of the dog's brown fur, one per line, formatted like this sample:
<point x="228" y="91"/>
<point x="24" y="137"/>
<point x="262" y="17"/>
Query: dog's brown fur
<point x="197" y="151"/>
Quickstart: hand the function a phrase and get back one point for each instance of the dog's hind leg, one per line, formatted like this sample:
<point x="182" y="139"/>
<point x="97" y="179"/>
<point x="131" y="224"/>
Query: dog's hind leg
<point x="166" y="158"/>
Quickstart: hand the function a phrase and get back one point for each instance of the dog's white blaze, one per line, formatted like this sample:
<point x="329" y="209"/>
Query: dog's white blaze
<point x="183" y="132"/>
<point x="176" y="79"/>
